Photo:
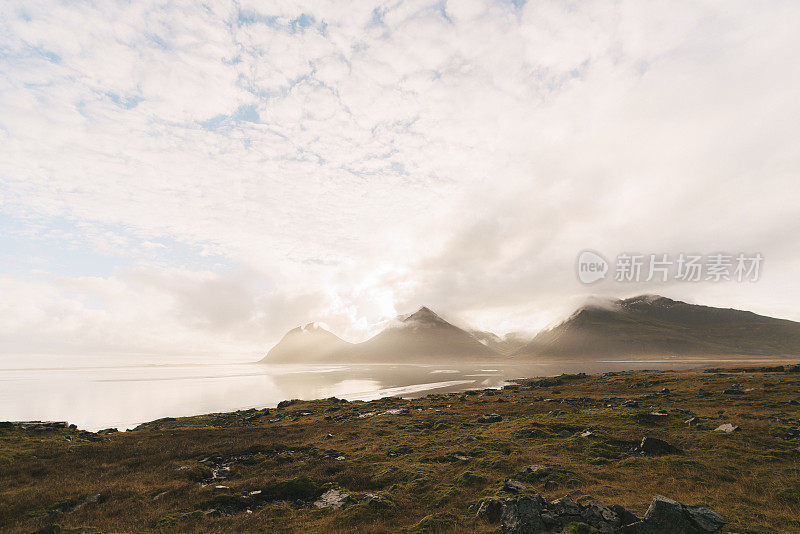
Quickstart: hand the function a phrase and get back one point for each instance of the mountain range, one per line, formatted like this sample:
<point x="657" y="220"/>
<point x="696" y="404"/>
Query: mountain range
<point x="646" y="325"/>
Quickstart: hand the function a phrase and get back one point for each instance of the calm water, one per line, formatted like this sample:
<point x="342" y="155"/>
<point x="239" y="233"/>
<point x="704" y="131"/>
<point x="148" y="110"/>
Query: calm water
<point x="95" y="397"/>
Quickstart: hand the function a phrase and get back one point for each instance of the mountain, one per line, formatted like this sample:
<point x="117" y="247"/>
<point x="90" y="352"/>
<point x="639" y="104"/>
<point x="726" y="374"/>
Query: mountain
<point x="308" y="343"/>
<point x="421" y="336"/>
<point x="508" y="344"/>
<point x="655" y="325"/>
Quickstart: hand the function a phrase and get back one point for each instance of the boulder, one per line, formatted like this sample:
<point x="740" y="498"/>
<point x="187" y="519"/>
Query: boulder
<point x="727" y="428"/>
<point x="666" y="516"/>
<point x="523" y="515"/>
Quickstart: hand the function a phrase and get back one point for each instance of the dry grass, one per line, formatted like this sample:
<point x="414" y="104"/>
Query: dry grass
<point x="752" y="477"/>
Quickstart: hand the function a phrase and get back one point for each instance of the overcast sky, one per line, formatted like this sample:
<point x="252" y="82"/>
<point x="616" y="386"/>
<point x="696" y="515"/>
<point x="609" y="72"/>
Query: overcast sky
<point x="186" y="178"/>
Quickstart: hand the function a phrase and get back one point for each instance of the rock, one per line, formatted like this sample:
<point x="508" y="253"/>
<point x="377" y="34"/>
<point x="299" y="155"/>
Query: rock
<point x="630" y="404"/>
<point x="626" y="518"/>
<point x="565" y="510"/>
<point x="664" y="390"/>
<point x="107" y="431"/>
<point x="586" y="433"/>
<point x="490" y="510"/>
<point x="489" y="418"/>
<point x="666" y="516"/>
<point x="692" y="421"/>
<point x="329" y="436"/>
<point x="794" y="402"/>
<point x="531" y="515"/>
<point x="602" y="517"/>
<point x="727" y="428"/>
<point x="523" y="515"/>
<point x="333" y="498"/>
<point x="655" y="447"/>
<point x="514" y="486"/>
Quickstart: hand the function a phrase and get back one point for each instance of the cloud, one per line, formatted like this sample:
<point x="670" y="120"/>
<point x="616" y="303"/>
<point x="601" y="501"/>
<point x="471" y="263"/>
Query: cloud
<point x="359" y="163"/>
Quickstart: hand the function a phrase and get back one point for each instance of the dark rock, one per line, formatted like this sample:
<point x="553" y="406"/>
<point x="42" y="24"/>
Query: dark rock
<point x="490" y="510"/>
<point x="704" y="519"/>
<point x="523" y="515"/>
<point x="490" y="418"/>
<point x="655" y="447"/>
<point x="666" y="516"/>
<point x="514" y="486"/>
<point x="531" y="515"/>
<point x="626" y="518"/>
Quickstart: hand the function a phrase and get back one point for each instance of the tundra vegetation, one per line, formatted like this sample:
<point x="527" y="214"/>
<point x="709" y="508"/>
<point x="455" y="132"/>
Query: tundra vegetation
<point x="424" y="464"/>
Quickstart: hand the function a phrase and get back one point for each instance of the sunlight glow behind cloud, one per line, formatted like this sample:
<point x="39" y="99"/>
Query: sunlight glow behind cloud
<point x="178" y="177"/>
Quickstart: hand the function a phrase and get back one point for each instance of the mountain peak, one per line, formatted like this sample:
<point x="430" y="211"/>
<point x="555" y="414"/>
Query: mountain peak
<point x="424" y="315"/>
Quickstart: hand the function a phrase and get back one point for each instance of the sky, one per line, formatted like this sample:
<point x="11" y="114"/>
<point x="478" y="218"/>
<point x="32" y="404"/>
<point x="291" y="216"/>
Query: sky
<point x="198" y="178"/>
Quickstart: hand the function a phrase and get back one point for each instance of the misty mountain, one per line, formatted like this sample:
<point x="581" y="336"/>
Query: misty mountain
<point x="655" y="325"/>
<point x="307" y="343"/>
<point x="507" y="344"/>
<point x="420" y="337"/>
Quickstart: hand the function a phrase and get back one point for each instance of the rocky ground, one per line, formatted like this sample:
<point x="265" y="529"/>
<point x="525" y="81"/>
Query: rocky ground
<point x="635" y="452"/>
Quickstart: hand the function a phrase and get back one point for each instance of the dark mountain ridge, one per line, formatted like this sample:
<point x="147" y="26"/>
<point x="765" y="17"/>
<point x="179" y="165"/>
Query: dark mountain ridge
<point x="655" y="325"/>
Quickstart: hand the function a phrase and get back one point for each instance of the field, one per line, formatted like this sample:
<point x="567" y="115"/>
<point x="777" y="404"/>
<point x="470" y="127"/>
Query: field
<point x="425" y="462"/>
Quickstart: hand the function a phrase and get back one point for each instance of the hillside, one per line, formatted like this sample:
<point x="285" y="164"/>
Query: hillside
<point x="655" y="325"/>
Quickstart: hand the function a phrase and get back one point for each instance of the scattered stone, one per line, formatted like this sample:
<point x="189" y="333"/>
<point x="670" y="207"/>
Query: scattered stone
<point x="514" y="486"/>
<point x="655" y="447"/>
<point x="333" y="498"/>
<point x="340" y="458"/>
<point x="586" y="433"/>
<point x="692" y="421"/>
<point x="664" y="390"/>
<point x="329" y="436"/>
<point x="107" y="431"/>
<point x="727" y="428"/>
<point x="160" y="496"/>
<point x="490" y="418"/>
<point x="630" y="404"/>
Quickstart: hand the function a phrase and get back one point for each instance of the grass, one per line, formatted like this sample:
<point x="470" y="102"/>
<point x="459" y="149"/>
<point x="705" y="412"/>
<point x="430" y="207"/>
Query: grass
<point x="429" y="464"/>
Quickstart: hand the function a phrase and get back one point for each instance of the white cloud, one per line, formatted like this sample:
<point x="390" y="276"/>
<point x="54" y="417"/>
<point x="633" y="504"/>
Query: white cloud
<point x="362" y="162"/>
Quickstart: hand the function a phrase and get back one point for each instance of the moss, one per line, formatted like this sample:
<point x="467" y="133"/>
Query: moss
<point x="434" y="523"/>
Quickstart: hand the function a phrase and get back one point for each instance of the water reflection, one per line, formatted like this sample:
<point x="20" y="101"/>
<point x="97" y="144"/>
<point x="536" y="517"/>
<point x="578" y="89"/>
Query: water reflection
<point x="124" y="396"/>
